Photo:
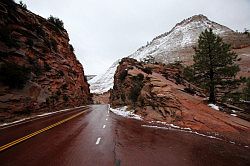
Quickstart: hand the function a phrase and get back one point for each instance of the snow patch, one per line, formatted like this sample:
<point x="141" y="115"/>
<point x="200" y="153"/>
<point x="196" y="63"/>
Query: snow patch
<point x="122" y="111"/>
<point x="233" y="114"/>
<point x="214" y="106"/>
<point x="183" y="130"/>
<point x="234" y="111"/>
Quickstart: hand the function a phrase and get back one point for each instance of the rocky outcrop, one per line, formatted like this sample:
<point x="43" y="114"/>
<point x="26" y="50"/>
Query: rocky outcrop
<point x="158" y="92"/>
<point x="39" y="70"/>
<point x="150" y="89"/>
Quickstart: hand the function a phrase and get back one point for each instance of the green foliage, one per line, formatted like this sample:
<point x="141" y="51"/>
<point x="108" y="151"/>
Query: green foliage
<point x="188" y="74"/>
<point x="30" y="42"/>
<point x="139" y="78"/>
<point x="214" y="64"/>
<point x="123" y="97"/>
<point x="65" y="98"/>
<point x="13" y="75"/>
<point x="246" y="90"/>
<point x="56" y="21"/>
<point x="47" y="66"/>
<point x="53" y="44"/>
<point x="149" y="59"/>
<point x="23" y="5"/>
<point x="71" y="48"/>
<point x="123" y="75"/>
<point x="147" y="70"/>
<point x="40" y="32"/>
<point x="136" y="88"/>
<point x="60" y="73"/>
<point x="135" y="92"/>
<point x="189" y="90"/>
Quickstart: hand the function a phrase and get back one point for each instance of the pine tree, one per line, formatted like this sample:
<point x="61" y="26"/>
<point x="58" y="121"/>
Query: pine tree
<point x="214" y="65"/>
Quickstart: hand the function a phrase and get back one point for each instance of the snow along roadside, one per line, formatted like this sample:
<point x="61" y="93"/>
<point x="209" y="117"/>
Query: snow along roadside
<point x="35" y="116"/>
<point x="122" y="111"/>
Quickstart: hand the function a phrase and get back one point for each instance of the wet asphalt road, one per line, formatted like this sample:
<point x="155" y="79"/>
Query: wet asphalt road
<point x="100" y="138"/>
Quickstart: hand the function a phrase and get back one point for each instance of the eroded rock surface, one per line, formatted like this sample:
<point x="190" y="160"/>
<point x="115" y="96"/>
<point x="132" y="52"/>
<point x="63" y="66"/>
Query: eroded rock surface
<point x="54" y="78"/>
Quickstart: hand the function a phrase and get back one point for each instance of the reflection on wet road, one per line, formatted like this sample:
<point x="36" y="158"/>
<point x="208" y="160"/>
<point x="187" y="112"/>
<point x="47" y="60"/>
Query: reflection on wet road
<point x="100" y="138"/>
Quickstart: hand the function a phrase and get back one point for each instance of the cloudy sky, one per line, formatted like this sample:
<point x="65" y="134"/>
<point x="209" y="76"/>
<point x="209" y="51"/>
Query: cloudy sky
<point x="103" y="31"/>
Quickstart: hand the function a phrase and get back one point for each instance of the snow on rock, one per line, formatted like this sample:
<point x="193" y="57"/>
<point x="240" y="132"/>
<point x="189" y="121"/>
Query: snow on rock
<point x="214" y="106"/>
<point x="102" y="83"/>
<point x="167" y="48"/>
<point x="122" y="111"/>
<point x="233" y="114"/>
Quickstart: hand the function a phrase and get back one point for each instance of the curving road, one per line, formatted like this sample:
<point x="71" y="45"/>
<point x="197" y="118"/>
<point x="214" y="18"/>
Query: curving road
<point x="100" y="138"/>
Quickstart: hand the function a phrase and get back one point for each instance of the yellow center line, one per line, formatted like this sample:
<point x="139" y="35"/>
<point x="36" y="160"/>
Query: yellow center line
<point x="38" y="132"/>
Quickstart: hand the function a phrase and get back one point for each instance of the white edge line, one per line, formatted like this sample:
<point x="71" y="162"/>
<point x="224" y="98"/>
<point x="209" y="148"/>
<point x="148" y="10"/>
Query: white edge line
<point x="103" y="126"/>
<point x="41" y="115"/>
<point x="98" y="140"/>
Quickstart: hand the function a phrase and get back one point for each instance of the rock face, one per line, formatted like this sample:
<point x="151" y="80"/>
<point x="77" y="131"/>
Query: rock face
<point x="148" y="88"/>
<point x="177" y="45"/>
<point x="158" y="92"/>
<point x="39" y="70"/>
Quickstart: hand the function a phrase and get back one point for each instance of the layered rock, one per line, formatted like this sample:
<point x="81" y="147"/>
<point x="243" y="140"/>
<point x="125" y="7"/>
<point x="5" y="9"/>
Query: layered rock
<point x="39" y="51"/>
<point x="158" y="92"/>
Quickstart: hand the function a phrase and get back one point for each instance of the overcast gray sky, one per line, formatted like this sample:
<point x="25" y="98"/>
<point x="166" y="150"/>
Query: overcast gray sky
<point x="102" y="31"/>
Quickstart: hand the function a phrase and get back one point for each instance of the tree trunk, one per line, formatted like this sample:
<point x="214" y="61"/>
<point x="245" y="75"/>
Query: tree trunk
<point x="211" y="94"/>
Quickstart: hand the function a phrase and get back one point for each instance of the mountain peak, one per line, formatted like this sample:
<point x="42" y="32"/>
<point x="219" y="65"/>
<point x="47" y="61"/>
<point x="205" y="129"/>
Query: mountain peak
<point x="198" y="17"/>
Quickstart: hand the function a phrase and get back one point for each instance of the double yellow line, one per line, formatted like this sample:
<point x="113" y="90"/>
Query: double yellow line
<point x="6" y="146"/>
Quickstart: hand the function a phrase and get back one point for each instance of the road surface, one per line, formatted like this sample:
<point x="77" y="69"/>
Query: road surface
<point x="97" y="137"/>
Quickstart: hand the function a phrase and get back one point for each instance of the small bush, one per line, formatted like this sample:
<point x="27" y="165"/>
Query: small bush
<point x="188" y="74"/>
<point x="189" y="90"/>
<point x="40" y="31"/>
<point x="123" y="75"/>
<point x="71" y="48"/>
<point x="13" y="75"/>
<point x="60" y="73"/>
<point x="47" y="66"/>
<point x="53" y="44"/>
<point x="135" y="92"/>
<point x="147" y="70"/>
<point x="23" y="5"/>
<point x="56" y="21"/>
<point x="30" y="42"/>
<point x="65" y="98"/>
<point x="138" y="78"/>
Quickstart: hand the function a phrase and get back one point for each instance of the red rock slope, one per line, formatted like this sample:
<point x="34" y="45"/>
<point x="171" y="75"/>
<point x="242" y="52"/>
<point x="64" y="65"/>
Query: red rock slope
<point x="38" y="51"/>
<point x="159" y="93"/>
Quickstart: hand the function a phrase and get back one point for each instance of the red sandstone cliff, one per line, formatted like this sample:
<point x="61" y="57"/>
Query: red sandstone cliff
<point x="39" y="70"/>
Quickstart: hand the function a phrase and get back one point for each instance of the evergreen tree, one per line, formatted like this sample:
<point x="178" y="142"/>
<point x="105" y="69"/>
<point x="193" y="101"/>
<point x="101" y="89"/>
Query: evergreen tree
<point x="214" y="65"/>
<point x="246" y="91"/>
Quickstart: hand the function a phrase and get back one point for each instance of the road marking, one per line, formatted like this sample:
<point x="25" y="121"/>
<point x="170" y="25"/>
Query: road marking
<point x="36" y="117"/>
<point x="38" y="132"/>
<point x="107" y="115"/>
<point x="106" y="118"/>
<point x="98" y="140"/>
<point x="103" y="126"/>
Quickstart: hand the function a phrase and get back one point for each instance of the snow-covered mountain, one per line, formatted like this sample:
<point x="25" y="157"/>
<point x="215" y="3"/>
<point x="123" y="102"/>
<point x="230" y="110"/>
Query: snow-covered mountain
<point x="175" y="45"/>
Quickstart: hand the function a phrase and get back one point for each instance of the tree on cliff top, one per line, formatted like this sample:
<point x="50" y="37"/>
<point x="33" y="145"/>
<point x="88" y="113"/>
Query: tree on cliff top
<point x="214" y="64"/>
<point x="56" y="21"/>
